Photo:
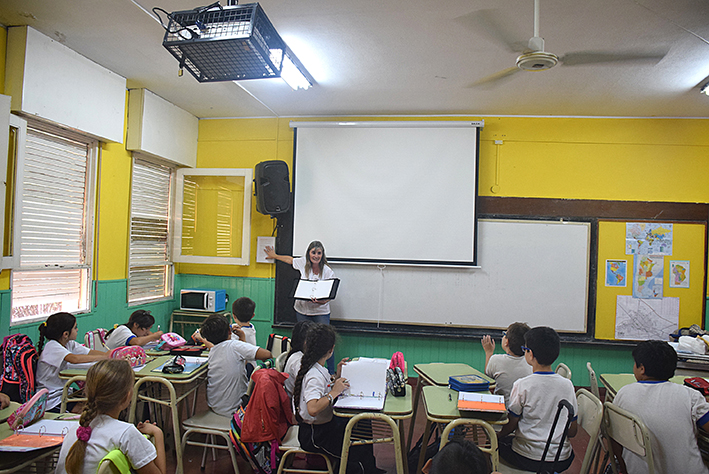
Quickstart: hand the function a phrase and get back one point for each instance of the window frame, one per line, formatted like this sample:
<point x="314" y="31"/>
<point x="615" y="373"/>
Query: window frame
<point x="245" y="259"/>
<point x="14" y="262"/>
<point x="169" y="263"/>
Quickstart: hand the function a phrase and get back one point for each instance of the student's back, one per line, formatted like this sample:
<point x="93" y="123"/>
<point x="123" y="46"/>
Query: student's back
<point x="671" y="412"/>
<point x="507" y="368"/>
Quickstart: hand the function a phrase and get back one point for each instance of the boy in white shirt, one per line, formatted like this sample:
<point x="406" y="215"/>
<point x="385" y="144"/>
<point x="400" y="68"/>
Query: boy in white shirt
<point x="243" y="310"/>
<point x="507" y="368"/>
<point x="670" y="411"/>
<point x="226" y="372"/>
<point x="533" y="404"/>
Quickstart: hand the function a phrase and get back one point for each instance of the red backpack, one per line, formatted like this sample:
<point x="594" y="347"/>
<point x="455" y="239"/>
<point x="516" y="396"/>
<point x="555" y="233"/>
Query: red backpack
<point x="19" y="364"/>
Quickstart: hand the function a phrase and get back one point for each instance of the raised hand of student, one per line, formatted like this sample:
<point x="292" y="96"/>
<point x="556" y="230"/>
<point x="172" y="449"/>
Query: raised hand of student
<point x="488" y="344"/>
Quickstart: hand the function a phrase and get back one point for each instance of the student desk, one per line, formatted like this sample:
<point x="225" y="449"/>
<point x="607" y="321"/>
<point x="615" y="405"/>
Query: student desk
<point x="442" y="407"/>
<point x="178" y="386"/>
<point x="397" y="408"/>
<point x="40" y="461"/>
<point x="437" y="374"/>
<point x="615" y="382"/>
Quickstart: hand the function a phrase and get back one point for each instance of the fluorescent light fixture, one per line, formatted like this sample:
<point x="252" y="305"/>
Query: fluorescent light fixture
<point x="292" y="75"/>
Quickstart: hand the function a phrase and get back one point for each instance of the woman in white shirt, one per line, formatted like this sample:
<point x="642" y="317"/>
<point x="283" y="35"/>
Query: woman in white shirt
<point x="313" y="266"/>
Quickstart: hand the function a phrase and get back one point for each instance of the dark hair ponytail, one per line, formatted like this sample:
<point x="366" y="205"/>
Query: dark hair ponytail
<point x="297" y="340"/>
<point x="320" y="339"/>
<point x="53" y="328"/>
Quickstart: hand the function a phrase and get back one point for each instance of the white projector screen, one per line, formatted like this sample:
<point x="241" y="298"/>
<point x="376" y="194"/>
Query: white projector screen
<point x="387" y="192"/>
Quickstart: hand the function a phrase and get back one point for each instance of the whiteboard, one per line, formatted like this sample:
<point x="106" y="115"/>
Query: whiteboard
<point x="531" y="271"/>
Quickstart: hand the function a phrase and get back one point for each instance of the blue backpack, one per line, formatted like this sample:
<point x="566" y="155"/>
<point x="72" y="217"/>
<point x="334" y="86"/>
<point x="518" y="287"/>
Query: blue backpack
<point x="19" y="364"/>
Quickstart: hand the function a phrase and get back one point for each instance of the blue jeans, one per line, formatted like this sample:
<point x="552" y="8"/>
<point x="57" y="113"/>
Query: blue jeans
<point x="319" y="318"/>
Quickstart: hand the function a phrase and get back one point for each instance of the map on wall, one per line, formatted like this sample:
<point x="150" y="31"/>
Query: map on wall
<point x="644" y="238"/>
<point x="647" y="281"/>
<point x="679" y="273"/>
<point x="617" y="273"/>
<point x="641" y="319"/>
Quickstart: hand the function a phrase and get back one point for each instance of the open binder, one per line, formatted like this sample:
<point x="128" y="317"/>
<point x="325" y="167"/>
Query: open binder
<point x="367" y="379"/>
<point x="318" y="289"/>
<point x="41" y="434"/>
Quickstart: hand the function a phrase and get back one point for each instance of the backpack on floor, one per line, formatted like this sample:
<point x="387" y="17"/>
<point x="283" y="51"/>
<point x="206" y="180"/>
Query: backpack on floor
<point x="19" y="364"/>
<point x="257" y="454"/>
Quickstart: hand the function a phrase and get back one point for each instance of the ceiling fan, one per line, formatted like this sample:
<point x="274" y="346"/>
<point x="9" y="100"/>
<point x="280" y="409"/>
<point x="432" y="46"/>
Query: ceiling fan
<point x="535" y="58"/>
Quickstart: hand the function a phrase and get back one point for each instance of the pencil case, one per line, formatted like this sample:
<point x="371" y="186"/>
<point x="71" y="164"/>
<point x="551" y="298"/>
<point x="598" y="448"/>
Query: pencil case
<point x="30" y="411"/>
<point x="187" y="350"/>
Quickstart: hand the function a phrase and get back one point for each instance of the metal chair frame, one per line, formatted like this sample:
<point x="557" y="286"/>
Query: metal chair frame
<point x="462" y="428"/>
<point x="629" y="431"/>
<point x="383" y="430"/>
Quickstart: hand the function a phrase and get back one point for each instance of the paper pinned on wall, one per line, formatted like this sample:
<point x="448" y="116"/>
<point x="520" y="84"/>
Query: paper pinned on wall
<point x="642" y="319"/>
<point x="261" y="244"/>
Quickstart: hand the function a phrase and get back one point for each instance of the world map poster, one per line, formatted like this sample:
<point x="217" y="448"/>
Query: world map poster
<point x="646" y="238"/>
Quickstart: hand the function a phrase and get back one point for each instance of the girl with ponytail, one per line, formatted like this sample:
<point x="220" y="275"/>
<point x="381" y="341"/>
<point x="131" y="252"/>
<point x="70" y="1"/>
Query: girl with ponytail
<point x="61" y="349"/>
<point x="313" y="397"/>
<point x="109" y="388"/>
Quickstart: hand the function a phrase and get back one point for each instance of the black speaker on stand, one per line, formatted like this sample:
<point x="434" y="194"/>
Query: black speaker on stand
<point x="272" y="187"/>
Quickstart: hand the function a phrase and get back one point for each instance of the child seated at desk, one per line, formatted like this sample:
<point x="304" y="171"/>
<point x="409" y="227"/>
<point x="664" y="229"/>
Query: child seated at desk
<point x="671" y="412"/>
<point x="314" y="394"/>
<point x="533" y="405"/>
<point x="136" y="332"/>
<point x="507" y="368"/>
<point x="297" y="343"/>
<point x="109" y="388"/>
<point x="58" y="353"/>
<point x="226" y="372"/>
<point x="242" y="312"/>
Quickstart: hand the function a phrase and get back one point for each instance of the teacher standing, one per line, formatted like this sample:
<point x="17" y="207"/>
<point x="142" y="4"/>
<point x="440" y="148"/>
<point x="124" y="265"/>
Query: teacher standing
<point x="313" y="266"/>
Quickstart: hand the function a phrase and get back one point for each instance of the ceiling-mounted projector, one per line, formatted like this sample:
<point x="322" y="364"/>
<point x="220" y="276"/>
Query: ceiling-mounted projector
<point x="226" y="43"/>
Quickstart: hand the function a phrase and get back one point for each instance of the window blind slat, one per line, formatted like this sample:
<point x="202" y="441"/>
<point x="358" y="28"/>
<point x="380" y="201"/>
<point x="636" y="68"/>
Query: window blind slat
<point x="150" y="268"/>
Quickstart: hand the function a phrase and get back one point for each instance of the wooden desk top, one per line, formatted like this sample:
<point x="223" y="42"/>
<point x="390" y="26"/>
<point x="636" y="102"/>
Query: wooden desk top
<point x="437" y="373"/>
<point x="147" y="371"/>
<point x="442" y="406"/>
<point x="615" y="382"/>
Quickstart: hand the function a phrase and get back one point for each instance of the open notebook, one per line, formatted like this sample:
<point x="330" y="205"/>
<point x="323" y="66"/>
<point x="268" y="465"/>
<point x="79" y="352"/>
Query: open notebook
<point x="367" y="379"/>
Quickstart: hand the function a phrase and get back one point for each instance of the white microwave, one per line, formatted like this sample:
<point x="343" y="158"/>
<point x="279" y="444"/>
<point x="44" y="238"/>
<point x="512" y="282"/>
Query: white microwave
<point x="200" y="299"/>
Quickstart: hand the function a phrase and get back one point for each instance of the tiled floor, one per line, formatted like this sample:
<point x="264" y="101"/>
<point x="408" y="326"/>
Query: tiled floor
<point x="384" y="453"/>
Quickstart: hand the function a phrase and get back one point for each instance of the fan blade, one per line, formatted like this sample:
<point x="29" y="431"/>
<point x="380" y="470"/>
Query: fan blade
<point x="594" y="57"/>
<point x="488" y="22"/>
<point x="497" y="78"/>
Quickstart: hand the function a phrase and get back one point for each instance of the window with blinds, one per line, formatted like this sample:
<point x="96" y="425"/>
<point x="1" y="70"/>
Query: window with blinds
<point x="53" y="224"/>
<point x="150" y="273"/>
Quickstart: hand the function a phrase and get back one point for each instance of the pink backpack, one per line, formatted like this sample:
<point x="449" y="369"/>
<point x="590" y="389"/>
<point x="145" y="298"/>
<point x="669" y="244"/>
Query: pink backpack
<point x="30" y="411"/>
<point x="96" y="339"/>
<point x="397" y="360"/>
<point x="135" y="355"/>
<point x="171" y="340"/>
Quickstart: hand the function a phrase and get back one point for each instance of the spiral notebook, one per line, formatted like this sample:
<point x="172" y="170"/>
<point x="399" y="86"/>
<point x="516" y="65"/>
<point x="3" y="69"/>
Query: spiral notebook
<point x="367" y="379"/>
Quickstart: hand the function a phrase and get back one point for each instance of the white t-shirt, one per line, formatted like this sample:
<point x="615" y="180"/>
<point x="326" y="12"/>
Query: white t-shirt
<point x="50" y="363"/>
<point x="308" y="307"/>
<point x="226" y="375"/>
<point x="108" y="434"/>
<point x="250" y="333"/>
<point x="506" y="370"/>
<point x="535" y="399"/>
<point x="670" y="412"/>
<point x="316" y="384"/>
<point x="292" y="368"/>
<point x="119" y="337"/>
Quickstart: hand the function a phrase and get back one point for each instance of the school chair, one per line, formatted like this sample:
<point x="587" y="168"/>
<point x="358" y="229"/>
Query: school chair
<point x="277" y="345"/>
<point x="593" y="381"/>
<point x="75" y="396"/>
<point x="563" y="370"/>
<point x="290" y="446"/>
<point x="372" y="428"/>
<point x="280" y="363"/>
<point x="479" y="432"/>
<point x="590" y="417"/>
<point x="115" y="462"/>
<point x="630" y="432"/>
<point x="211" y="425"/>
